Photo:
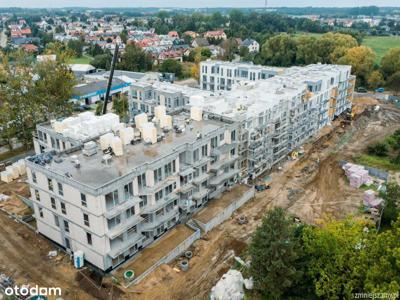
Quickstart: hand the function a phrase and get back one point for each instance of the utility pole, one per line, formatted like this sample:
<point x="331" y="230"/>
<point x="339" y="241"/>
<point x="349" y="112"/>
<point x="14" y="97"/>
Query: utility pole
<point x="110" y="78"/>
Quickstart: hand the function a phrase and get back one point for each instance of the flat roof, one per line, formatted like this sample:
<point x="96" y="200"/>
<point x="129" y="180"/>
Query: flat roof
<point x="96" y="87"/>
<point x="94" y="173"/>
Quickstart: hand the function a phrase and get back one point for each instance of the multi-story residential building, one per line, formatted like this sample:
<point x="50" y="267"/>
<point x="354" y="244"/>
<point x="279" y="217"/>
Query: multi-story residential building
<point x="144" y="96"/>
<point x="221" y="75"/>
<point x="111" y="206"/>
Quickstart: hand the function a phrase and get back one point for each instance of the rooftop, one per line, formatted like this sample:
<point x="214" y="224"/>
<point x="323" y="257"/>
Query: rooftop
<point x="94" y="173"/>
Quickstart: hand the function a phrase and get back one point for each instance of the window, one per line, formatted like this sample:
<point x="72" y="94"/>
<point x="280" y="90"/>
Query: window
<point x="173" y="166"/>
<point x="66" y="226"/>
<point x="204" y="150"/>
<point x="113" y="222"/>
<point x="159" y="195"/>
<point x="34" y="179"/>
<point x="196" y="155"/>
<point x="60" y="189"/>
<point x="221" y="137"/>
<point x="142" y="180"/>
<point x="83" y="200"/>
<point x="157" y="175"/>
<point x="143" y="202"/>
<point x="86" y="220"/>
<point x="233" y="135"/>
<point x="128" y="190"/>
<point x="89" y="238"/>
<point x="168" y="169"/>
<point x="169" y="189"/>
<point x="50" y="184"/>
<point x="53" y="203"/>
<point x="204" y="169"/>
<point x="37" y="195"/>
<point x="63" y="208"/>
<point x="41" y="212"/>
<point x="214" y="142"/>
<point x="130" y="212"/>
<point x="112" y="199"/>
<point x="56" y="221"/>
<point x="67" y="243"/>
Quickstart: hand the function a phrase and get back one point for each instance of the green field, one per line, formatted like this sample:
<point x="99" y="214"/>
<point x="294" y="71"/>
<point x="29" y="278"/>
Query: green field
<point x="81" y="60"/>
<point x="381" y="44"/>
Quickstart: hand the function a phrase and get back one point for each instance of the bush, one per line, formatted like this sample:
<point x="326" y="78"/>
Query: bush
<point x="379" y="149"/>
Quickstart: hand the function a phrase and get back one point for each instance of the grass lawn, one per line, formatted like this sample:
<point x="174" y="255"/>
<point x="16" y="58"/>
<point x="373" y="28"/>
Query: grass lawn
<point x="381" y="44"/>
<point x="85" y="59"/>
<point x="382" y="163"/>
<point x="9" y="154"/>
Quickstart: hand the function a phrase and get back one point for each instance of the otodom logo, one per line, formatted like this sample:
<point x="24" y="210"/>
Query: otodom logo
<point x="39" y="292"/>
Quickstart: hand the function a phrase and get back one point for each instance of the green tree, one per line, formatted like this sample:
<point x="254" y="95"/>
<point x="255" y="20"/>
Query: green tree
<point x="393" y="82"/>
<point x="280" y="50"/>
<point x="390" y="63"/>
<point x="306" y="53"/>
<point x="338" y="258"/>
<point x="391" y="210"/>
<point x="376" y="79"/>
<point x="76" y="46"/>
<point x="171" y="66"/>
<point x="362" y="61"/>
<point x="135" y="59"/>
<point x="274" y="252"/>
<point x="121" y="107"/>
<point x="102" y="61"/>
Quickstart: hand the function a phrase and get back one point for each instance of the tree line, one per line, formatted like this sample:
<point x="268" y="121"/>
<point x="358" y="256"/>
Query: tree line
<point x="336" y="260"/>
<point x="287" y="50"/>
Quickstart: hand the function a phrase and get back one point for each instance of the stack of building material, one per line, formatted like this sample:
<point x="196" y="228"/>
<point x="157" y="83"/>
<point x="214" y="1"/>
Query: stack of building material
<point x="116" y="145"/>
<point x="140" y="120"/>
<point x="149" y="133"/>
<point x="118" y="127"/>
<point x="86" y="125"/>
<point x="166" y="122"/>
<point x="357" y="175"/>
<point x="20" y="165"/>
<point x="13" y="170"/>
<point x="229" y="287"/>
<point x="159" y="111"/>
<point x="126" y="135"/>
<point x="196" y="113"/>
<point x="105" y="140"/>
<point x="6" y="176"/>
<point x="370" y="199"/>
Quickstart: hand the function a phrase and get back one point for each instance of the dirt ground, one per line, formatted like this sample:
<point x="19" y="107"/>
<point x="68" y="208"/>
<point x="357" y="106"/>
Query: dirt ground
<point x="14" y="204"/>
<point x="312" y="187"/>
<point x="217" y="205"/>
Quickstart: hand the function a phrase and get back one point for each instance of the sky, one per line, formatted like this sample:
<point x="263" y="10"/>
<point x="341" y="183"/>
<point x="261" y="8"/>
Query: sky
<point x="191" y="4"/>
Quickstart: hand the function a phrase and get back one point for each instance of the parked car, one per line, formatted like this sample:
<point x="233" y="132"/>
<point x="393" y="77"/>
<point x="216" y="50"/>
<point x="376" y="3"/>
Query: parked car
<point x="362" y="90"/>
<point x="380" y="90"/>
<point x="262" y="187"/>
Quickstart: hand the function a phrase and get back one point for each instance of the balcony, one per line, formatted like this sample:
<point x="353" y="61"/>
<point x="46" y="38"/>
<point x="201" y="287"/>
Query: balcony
<point x="198" y="180"/>
<point x="111" y="213"/>
<point x="159" y="204"/>
<point x="218" y="179"/>
<point x="220" y="163"/>
<point x="117" y="249"/>
<point x="201" y="194"/>
<point x="223" y="149"/>
<point x="123" y="226"/>
<point x="185" y="188"/>
<point x="158" y="220"/>
<point x="159" y="185"/>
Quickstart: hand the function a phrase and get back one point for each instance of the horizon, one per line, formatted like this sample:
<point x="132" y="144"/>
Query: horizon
<point x="97" y="4"/>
